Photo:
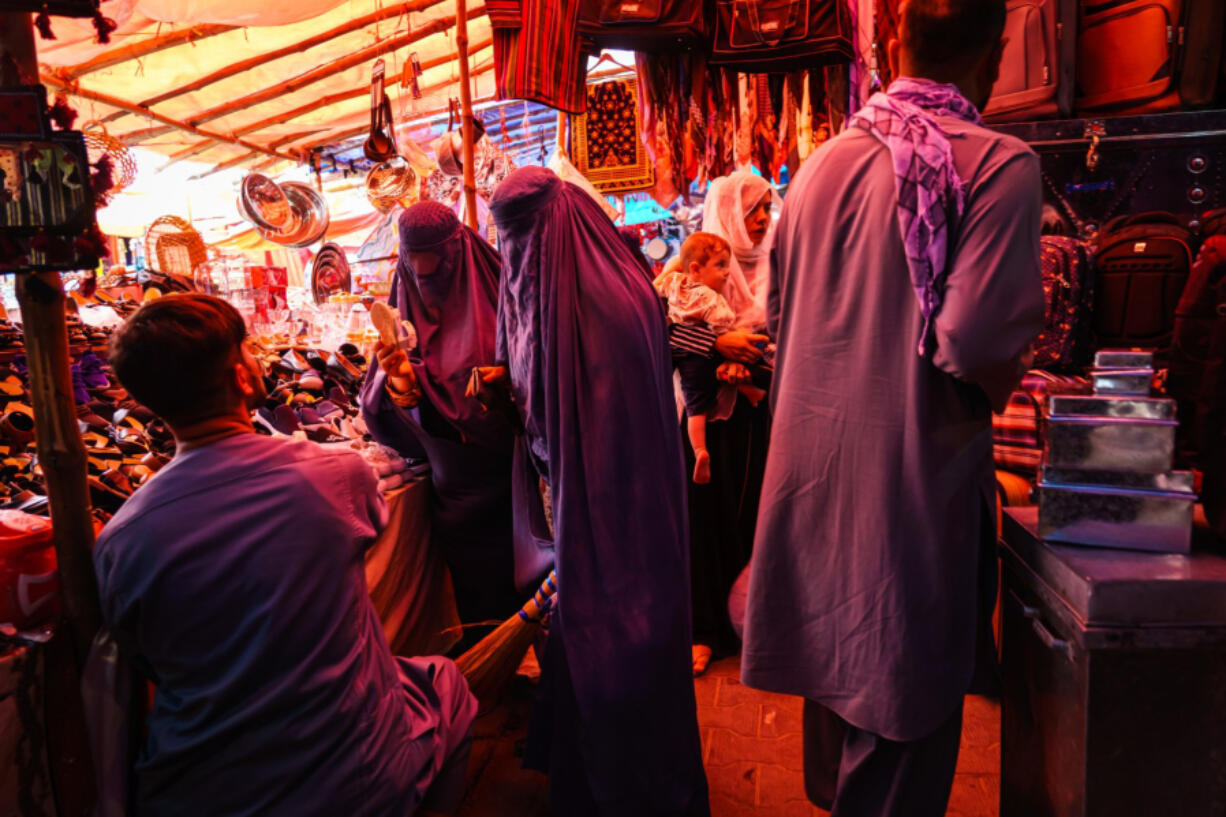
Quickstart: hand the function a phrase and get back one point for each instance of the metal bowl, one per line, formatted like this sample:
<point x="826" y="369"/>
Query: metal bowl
<point x="263" y="202"/>
<point x="309" y="221"/>
<point x="329" y="273"/>
<point x="390" y="183"/>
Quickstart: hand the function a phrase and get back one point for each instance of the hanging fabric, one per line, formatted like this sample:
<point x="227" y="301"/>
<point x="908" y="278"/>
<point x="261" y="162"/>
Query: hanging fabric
<point x="607" y="148"/>
<point x="543" y="59"/>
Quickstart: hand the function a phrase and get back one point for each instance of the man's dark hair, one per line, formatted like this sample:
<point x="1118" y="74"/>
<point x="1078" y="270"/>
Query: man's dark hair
<point x="174" y="355"/>
<point x="945" y="38"/>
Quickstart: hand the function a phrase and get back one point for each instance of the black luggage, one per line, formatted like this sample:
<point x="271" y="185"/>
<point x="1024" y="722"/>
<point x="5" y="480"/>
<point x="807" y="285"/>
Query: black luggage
<point x="1141" y="265"/>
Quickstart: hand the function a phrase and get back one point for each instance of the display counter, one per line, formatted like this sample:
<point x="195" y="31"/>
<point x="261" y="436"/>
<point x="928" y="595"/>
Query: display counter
<point x="1114" y="668"/>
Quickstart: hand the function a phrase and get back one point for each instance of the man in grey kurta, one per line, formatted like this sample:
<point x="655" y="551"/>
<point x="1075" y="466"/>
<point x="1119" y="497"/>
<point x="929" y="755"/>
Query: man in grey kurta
<point x="875" y="534"/>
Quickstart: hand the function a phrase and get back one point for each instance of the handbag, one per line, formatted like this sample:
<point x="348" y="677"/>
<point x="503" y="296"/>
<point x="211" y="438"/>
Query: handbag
<point x="645" y="25"/>
<point x="773" y="36"/>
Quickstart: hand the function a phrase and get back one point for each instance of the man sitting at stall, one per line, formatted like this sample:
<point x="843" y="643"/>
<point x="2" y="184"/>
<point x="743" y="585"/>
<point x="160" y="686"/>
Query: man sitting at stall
<point x="235" y="581"/>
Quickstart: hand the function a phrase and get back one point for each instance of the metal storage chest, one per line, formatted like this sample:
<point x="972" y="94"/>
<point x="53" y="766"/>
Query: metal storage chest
<point x="1114" y="680"/>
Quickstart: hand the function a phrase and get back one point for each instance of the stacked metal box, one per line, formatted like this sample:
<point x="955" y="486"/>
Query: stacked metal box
<point x="1107" y="478"/>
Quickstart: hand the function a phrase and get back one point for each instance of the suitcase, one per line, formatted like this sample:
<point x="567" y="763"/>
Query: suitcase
<point x="1203" y="33"/>
<point x="776" y="36"/>
<point x="1065" y="344"/>
<point x="1127" y="55"/>
<point x="1037" y="69"/>
<point x="1141" y="266"/>
<point x="650" y="26"/>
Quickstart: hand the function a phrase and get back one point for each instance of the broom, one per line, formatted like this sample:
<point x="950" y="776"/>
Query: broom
<point x="490" y="663"/>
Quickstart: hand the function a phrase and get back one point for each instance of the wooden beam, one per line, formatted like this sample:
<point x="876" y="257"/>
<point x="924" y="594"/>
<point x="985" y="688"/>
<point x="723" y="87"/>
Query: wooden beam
<point x="72" y="89"/>
<point x="467" y="131"/>
<point x="325" y="71"/>
<point x="352" y="132"/>
<point x="310" y="77"/>
<point x="144" y="48"/>
<point x="323" y="102"/>
<point x="323" y="37"/>
<point x="61" y="451"/>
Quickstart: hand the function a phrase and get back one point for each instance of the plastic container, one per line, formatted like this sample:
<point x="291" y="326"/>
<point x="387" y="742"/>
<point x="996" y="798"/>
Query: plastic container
<point x="29" y="580"/>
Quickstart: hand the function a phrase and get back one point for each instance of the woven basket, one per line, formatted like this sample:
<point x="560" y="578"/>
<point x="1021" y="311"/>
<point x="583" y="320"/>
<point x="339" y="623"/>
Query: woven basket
<point x="174" y="246"/>
<point x="99" y="143"/>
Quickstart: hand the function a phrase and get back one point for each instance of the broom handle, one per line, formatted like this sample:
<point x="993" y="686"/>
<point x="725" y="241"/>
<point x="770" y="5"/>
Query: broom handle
<point x="539" y="603"/>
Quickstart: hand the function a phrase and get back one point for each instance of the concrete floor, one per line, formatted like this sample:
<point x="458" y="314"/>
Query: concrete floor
<point x="751" y="748"/>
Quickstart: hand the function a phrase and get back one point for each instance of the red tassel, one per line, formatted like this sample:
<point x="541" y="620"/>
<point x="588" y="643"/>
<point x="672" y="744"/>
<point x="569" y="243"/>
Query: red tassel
<point x="62" y="114"/>
<point x="43" y="23"/>
<point x="102" y="180"/>
<point x="104" y="26"/>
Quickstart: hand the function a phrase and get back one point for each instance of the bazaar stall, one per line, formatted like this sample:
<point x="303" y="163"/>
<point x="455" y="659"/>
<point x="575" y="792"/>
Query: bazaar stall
<point x="264" y="153"/>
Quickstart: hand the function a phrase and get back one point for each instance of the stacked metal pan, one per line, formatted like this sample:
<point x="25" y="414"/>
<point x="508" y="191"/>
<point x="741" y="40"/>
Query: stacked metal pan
<point x="1107" y="478"/>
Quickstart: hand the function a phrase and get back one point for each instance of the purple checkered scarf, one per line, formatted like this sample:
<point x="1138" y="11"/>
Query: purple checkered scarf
<point x="930" y="193"/>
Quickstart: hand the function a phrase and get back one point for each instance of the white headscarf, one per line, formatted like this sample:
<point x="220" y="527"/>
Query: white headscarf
<point x="729" y="199"/>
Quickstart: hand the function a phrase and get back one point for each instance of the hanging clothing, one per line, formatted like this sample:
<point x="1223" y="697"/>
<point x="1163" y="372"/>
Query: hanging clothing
<point x="729" y="199"/>
<point x="235" y="581"/>
<point x="929" y="190"/>
<point x="543" y="58"/>
<point x="470" y="450"/>
<point x="870" y="562"/>
<point x="583" y="334"/>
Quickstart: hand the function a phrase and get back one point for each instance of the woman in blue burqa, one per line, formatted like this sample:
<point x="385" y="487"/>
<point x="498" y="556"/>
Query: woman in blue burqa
<point x="581" y="333"/>
<point x="446" y="284"/>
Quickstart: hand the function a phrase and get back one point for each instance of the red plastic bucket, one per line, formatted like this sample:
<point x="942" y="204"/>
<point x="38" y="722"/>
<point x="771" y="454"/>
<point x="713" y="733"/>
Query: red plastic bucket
<point x="29" y="581"/>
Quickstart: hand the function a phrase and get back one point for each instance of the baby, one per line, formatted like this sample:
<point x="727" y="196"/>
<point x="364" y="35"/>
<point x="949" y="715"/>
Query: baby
<point x="694" y="297"/>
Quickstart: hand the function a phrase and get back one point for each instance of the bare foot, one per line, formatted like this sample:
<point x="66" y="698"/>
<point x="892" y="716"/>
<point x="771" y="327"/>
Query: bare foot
<point x="702" y="467"/>
<point x="701" y="657"/>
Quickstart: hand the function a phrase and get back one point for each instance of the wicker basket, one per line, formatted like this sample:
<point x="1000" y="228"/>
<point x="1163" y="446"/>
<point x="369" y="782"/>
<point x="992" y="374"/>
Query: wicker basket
<point x="173" y="246"/>
<point x="99" y="143"/>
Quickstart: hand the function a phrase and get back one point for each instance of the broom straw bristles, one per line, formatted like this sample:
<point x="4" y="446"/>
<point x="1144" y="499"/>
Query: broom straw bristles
<point x="491" y="662"/>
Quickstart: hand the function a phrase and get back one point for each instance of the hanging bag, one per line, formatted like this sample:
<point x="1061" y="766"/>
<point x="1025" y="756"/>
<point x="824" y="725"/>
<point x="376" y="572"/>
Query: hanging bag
<point x="1127" y="55"/>
<point x="651" y="26"/>
<point x="774" y="36"/>
<point x="1141" y="267"/>
<point x="1065" y="343"/>
<point x="1036" y="70"/>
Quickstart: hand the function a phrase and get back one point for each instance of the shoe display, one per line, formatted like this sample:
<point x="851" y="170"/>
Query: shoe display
<point x="312" y="395"/>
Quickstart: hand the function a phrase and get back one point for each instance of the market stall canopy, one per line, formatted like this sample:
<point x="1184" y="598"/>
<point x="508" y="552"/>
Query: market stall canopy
<point x="235" y="83"/>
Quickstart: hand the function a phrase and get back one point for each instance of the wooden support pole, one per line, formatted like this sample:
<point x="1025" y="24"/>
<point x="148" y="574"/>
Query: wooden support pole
<point x="173" y="124"/>
<point x="331" y="69"/>
<point x="302" y="110"/>
<point x="60" y="449"/>
<point x="466" y="112"/>
<point x="144" y="48"/>
<point x="296" y="48"/>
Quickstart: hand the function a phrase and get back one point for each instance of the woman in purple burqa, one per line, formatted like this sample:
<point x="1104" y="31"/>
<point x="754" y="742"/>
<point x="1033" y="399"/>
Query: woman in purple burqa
<point x="583" y="336"/>
<point x="446" y="284"/>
